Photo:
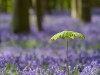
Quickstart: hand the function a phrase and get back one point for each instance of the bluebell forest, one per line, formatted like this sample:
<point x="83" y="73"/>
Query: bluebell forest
<point x="49" y="37"/>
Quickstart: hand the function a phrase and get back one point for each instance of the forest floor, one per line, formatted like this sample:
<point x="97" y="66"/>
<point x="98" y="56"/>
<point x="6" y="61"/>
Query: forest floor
<point x="38" y="44"/>
<point x="52" y="24"/>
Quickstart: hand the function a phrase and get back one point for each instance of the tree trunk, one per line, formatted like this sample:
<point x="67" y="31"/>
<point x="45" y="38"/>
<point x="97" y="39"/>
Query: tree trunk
<point x="48" y="6"/>
<point x="74" y="12"/>
<point x="84" y="10"/>
<point x="62" y="4"/>
<point x="69" y="4"/>
<point x="58" y="5"/>
<point x="30" y="4"/>
<point x="3" y="5"/>
<point x="54" y="6"/>
<point x="20" y="18"/>
<point x="39" y="12"/>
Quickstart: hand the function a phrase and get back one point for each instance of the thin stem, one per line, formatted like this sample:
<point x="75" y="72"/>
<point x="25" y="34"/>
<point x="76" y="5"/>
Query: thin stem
<point x="67" y="58"/>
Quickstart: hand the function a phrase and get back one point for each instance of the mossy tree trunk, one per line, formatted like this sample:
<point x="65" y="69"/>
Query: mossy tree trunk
<point x="39" y="13"/>
<point x="74" y="12"/>
<point x="20" y="18"/>
<point x="84" y="10"/>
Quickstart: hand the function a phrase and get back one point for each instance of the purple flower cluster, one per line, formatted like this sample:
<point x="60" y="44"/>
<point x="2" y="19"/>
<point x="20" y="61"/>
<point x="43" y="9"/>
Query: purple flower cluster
<point x="34" y="54"/>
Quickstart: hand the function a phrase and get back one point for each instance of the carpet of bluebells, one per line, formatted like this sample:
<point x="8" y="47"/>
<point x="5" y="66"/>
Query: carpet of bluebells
<point x="34" y="54"/>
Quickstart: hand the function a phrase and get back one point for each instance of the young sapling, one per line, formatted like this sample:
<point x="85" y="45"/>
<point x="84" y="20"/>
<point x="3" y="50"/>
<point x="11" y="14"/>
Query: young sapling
<point x="66" y="35"/>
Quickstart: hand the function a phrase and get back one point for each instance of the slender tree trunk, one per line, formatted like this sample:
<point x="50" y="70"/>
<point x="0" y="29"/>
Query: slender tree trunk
<point x="43" y="6"/>
<point x="58" y="5"/>
<point x="69" y="4"/>
<point x="20" y="18"/>
<point x="84" y="10"/>
<point x="4" y="6"/>
<point x="74" y="12"/>
<point x="30" y="4"/>
<point x="34" y="4"/>
<point x="39" y="12"/>
<point x="54" y="6"/>
<point x="62" y="4"/>
<point x="48" y="6"/>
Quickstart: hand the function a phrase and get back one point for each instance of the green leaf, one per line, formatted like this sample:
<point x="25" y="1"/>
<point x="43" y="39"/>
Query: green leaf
<point x="56" y="36"/>
<point x="79" y="35"/>
<point x="15" y="73"/>
<point x="67" y="34"/>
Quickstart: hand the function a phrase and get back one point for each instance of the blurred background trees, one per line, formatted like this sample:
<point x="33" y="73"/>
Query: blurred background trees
<point x="80" y="9"/>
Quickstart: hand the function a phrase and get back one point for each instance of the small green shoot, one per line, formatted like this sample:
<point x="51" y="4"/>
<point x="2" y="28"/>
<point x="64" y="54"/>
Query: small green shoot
<point x="66" y="35"/>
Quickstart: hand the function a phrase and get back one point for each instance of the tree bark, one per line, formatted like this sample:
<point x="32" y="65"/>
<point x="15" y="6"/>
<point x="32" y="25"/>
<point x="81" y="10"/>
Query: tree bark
<point x="39" y="13"/>
<point x="74" y="12"/>
<point x="20" y="18"/>
<point x="3" y="5"/>
<point x="54" y="6"/>
<point x="69" y="4"/>
<point x="84" y="10"/>
<point x="49" y="6"/>
<point x="30" y="4"/>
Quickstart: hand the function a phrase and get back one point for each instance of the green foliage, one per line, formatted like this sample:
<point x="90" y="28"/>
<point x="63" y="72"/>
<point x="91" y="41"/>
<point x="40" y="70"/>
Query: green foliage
<point x="11" y="68"/>
<point x="67" y="34"/>
<point x="31" y="43"/>
<point x="28" y="43"/>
